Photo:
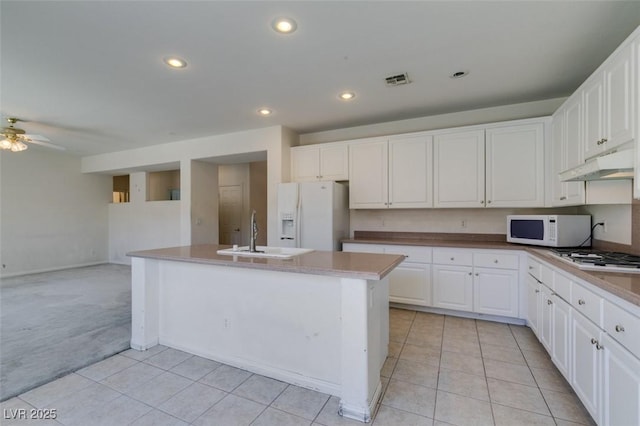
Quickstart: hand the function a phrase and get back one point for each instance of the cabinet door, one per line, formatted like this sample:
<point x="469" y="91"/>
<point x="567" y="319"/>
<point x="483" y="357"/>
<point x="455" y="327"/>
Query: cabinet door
<point x="459" y="169"/>
<point x="621" y="387"/>
<point x="558" y="160"/>
<point x="515" y="166"/>
<point x="546" y="318"/>
<point x="334" y="162"/>
<point x="495" y="292"/>
<point x="411" y="283"/>
<point x="561" y="342"/>
<point x="593" y="95"/>
<point x="573" y="149"/>
<point x="305" y="163"/>
<point x="411" y="172"/>
<point x="533" y="304"/>
<point x="585" y="371"/>
<point x="618" y="110"/>
<point x="368" y="175"/>
<point x="453" y="287"/>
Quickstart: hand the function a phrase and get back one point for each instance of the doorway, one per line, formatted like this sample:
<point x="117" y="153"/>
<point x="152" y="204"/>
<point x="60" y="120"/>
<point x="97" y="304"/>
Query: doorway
<point x="230" y="214"/>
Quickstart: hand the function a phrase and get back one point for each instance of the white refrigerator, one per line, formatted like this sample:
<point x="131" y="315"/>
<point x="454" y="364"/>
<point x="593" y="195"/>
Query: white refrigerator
<point x="313" y="215"/>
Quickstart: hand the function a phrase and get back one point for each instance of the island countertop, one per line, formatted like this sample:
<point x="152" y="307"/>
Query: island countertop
<point x="367" y="266"/>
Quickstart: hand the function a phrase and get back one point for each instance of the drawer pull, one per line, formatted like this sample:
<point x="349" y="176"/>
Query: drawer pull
<point x="593" y="341"/>
<point x="453" y="258"/>
<point x="537" y="291"/>
<point x="581" y="302"/>
<point x="495" y="261"/>
<point x="619" y="328"/>
<point x="599" y="346"/>
<point x="530" y="267"/>
<point x="549" y="302"/>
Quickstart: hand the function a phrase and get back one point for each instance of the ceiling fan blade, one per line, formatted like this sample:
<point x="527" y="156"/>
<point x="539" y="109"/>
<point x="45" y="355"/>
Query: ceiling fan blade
<point x="47" y="144"/>
<point x="37" y="138"/>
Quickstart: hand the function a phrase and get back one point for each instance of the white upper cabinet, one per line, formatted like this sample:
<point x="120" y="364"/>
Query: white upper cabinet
<point x="459" y="169"/>
<point x="411" y="172"/>
<point x="515" y="166"/>
<point x="391" y="174"/>
<point x="567" y="152"/>
<point x="506" y="171"/>
<point x="324" y="162"/>
<point x="609" y="104"/>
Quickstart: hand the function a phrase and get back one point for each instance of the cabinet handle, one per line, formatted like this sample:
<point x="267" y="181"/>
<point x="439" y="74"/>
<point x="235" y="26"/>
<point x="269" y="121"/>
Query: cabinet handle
<point x="470" y="274"/>
<point x="477" y="274"/>
<point x="537" y="291"/>
<point x="530" y="267"/>
<point x="453" y="258"/>
<point x="604" y="140"/>
<point x="495" y="261"/>
<point x="599" y="142"/>
<point x="619" y="328"/>
<point x="599" y="346"/>
<point x="489" y="202"/>
<point x="593" y="341"/>
<point x="563" y="198"/>
<point x="549" y="302"/>
<point x="481" y="202"/>
<point x="581" y="302"/>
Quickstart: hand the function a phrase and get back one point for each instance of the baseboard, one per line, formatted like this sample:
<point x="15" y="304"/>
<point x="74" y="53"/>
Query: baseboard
<point x="57" y="268"/>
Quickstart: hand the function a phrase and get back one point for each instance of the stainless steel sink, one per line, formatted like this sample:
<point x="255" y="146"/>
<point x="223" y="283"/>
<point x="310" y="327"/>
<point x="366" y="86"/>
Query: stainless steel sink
<point x="264" y="251"/>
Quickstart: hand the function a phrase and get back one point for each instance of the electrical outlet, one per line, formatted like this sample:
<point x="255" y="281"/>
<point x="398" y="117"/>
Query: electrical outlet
<point x="604" y="226"/>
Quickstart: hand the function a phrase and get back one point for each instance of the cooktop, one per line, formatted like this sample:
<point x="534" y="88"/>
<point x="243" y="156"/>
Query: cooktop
<point x="599" y="260"/>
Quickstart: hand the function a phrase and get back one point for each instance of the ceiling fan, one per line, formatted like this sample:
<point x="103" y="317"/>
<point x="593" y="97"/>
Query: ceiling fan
<point x="14" y="138"/>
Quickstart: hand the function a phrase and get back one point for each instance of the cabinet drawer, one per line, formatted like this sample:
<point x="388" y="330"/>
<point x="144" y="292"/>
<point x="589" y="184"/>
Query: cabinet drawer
<point x="413" y="253"/>
<point x="562" y="286"/>
<point x="452" y="257"/>
<point x="362" y="248"/>
<point x="622" y="326"/>
<point x="496" y="260"/>
<point x="533" y="268"/>
<point x="586" y="302"/>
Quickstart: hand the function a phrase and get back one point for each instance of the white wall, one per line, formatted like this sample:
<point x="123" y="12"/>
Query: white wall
<point x="51" y="215"/>
<point x="618" y="221"/>
<point x="275" y="141"/>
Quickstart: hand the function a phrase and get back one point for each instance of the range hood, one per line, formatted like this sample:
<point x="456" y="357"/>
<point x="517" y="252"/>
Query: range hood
<point x="616" y="165"/>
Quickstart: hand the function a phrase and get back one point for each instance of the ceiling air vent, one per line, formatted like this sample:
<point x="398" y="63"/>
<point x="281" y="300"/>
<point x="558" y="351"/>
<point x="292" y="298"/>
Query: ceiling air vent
<point x="397" y="80"/>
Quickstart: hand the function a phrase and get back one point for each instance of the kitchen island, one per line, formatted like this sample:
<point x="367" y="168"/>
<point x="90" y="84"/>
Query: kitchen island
<point x="319" y="320"/>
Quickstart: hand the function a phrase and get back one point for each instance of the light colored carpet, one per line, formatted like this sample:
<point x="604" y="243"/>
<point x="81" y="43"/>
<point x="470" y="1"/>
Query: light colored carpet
<point x="57" y="322"/>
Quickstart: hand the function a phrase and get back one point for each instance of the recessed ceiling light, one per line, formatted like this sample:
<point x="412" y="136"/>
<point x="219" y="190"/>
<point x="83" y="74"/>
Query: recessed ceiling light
<point x="265" y="111"/>
<point x="459" y="74"/>
<point x="347" y="96"/>
<point x="175" y="62"/>
<point x="284" y="25"/>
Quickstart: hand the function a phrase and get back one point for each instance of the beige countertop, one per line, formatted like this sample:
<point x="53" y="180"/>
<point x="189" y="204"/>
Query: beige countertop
<point x="624" y="285"/>
<point x="367" y="266"/>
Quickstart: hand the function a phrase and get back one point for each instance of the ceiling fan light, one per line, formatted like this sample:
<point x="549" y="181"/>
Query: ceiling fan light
<point x="5" y="144"/>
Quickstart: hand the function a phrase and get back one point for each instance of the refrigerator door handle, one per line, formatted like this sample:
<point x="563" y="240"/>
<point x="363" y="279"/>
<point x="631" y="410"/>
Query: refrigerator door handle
<point x="298" y="243"/>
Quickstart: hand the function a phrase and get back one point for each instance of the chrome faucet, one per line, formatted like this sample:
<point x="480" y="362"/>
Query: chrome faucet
<point x="254" y="233"/>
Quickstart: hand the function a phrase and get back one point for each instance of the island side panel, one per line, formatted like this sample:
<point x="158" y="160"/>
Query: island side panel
<point x="282" y="325"/>
<point x="365" y="339"/>
<point x="145" y="317"/>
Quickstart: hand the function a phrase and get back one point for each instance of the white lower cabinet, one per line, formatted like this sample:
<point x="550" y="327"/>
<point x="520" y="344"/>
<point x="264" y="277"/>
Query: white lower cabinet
<point x="561" y="336"/>
<point x="410" y="283"/>
<point x="496" y="291"/>
<point x="621" y="374"/>
<point x="593" y="338"/>
<point x="453" y="287"/>
<point x="586" y="360"/>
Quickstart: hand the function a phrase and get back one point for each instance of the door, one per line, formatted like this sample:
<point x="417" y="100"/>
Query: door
<point x="459" y="169"/>
<point x="368" y="173"/>
<point x="496" y="292"/>
<point x="334" y="162"/>
<point x="305" y="163"/>
<point x="593" y="116"/>
<point x="546" y="318"/>
<point x="453" y="287"/>
<point x="573" y="150"/>
<point x="561" y="341"/>
<point x="533" y="304"/>
<point x="515" y="166"/>
<point x="410" y="283"/>
<point x="618" y="118"/>
<point x="411" y="172"/>
<point x="585" y="374"/>
<point x="230" y="213"/>
<point x="621" y="387"/>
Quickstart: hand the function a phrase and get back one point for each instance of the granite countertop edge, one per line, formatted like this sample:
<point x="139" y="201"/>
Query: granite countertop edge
<point x="378" y="266"/>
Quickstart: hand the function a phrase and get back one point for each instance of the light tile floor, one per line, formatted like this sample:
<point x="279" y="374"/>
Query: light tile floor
<point x="441" y="370"/>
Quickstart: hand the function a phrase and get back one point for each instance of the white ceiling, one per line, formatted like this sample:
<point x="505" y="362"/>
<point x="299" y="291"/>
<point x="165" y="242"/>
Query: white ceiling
<point x="89" y="74"/>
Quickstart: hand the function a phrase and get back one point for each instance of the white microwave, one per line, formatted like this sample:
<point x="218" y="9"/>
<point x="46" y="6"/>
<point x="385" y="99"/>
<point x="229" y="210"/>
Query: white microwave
<point x="549" y="230"/>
